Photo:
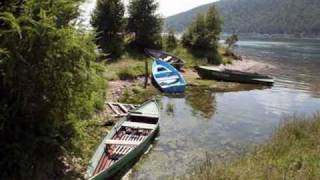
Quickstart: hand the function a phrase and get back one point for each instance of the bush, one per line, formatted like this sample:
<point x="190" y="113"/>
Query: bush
<point x="49" y="83"/>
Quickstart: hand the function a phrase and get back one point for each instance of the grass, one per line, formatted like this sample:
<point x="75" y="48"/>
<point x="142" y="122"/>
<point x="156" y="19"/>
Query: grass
<point x="138" y="95"/>
<point x="192" y="60"/>
<point x="126" y="68"/>
<point x="292" y="153"/>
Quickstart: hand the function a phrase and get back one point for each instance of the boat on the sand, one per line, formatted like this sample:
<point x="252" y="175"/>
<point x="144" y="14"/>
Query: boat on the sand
<point x="207" y="72"/>
<point x="167" y="77"/>
<point x="167" y="57"/>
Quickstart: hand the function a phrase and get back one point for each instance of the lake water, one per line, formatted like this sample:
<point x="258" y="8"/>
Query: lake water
<point x="226" y="124"/>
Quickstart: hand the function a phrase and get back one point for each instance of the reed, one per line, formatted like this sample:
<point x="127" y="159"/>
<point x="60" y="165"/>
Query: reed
<point x="291" y="153"/>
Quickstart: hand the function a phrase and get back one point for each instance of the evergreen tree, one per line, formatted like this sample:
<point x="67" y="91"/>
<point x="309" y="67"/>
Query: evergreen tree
<point x="108" y="21"/>
<point x="203" y="34"/>
<point x="48" y="84"/>
<point x="145" y="23"/>
<point x="170" y="40"/>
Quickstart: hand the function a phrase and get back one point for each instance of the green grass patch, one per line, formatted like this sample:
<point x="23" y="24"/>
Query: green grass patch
<point x="127" y="68"/>
<point x="192" y="60"/>
<point x="292" y="153"/>
<point x="138" y="95"/>
<point x="225" y="58"/>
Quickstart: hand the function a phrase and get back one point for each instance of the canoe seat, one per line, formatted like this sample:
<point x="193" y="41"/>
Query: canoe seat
<point x="122" y="142"/>
<point x="168" y="80"/>
<point x="136" y="125"/>
<point x="167" y="58"/>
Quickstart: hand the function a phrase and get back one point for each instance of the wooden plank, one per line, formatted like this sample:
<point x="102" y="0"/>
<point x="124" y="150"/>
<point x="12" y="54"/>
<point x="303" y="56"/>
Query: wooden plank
<point x="138" y="125"/>
<point x="122" y="142"/>
<point x="113" y="108"/>
<point x="119" y="115"/>
<point x="123" y="108"/>
<point x="132" y="106"/>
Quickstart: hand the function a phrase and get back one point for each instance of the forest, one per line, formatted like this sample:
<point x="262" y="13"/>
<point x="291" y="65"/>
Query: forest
<point x="259" y="16"/>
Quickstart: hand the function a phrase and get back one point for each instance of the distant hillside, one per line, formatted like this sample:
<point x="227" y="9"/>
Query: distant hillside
<point x="259" y="16"/>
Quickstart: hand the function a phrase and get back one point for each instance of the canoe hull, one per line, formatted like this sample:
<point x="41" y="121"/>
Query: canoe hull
<point x="120" y="167"/>
<point x="178" y="63"/>
<point x="99" y="169"/>
<point x="234" y="76"/>
<point x="175" y="87"/>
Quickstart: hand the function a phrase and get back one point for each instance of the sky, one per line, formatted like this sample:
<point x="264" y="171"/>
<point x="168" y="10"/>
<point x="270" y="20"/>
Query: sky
<point x="166" y="7"/>
<point x="172" y="7"/>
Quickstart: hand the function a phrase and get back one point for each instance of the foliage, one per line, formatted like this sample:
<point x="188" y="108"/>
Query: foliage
<point x="292" y="153"/>
<point x="203" y="34"/>
<point x="232" y="40"/>
<point x="108" y="20"/>
<point x="145" y="23"/>
<point x="263" y="16"/>
<point x="49" y="83"/>
<point x="170" y="40"/>
<point x="189" y="58"/>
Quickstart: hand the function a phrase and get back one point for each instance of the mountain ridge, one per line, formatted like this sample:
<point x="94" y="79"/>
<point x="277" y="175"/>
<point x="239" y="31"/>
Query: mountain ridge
<point x="258" y="16"/>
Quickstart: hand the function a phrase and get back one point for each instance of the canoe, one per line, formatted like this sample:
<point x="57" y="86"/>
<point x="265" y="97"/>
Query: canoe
<point x="167" y="57"/>
<point x="125" y="143"/>
<point x="207" y="72"/>
<point x="167" y="77"/>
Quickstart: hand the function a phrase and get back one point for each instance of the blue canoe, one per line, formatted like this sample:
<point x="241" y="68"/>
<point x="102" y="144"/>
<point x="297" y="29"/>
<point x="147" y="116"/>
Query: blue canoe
<point x="168" y="77"/>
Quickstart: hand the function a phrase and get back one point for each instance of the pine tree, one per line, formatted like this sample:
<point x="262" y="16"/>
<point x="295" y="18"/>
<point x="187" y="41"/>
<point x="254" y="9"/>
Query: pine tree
<point x="108" y="20"/>
<point x="170" y="40"/>
<point x="203" y="34"/>
<point x="145" y="23"/>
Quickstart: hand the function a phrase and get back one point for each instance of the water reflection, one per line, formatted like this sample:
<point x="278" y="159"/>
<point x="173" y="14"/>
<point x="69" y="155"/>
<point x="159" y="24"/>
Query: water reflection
<point x="225" y="123"/>
<point x="202" y="101"/>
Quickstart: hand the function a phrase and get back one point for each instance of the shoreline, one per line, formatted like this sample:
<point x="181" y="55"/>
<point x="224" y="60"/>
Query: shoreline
<point x="116" y="88"/>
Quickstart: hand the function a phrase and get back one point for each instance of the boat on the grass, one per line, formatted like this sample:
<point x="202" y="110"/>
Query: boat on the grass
<point x="125" y="143"/>
<point x="207" y="72"/>
<point x="167" y="57"/>
<point x="167" y="77"/>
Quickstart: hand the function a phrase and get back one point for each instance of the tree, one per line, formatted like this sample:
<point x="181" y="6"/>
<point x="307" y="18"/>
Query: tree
<point x="203" y="34"/>
<point x="232" y="40"/>
<point x="145" y="23"/>
<point x="48" y="84"/>
<point x="170" y="40"/>
<point x="108" y="20"/>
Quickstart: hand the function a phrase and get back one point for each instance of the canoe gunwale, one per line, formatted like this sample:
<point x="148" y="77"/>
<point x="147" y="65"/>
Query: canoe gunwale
<point x="206" y="72"/>
<point x="134" y="153"/>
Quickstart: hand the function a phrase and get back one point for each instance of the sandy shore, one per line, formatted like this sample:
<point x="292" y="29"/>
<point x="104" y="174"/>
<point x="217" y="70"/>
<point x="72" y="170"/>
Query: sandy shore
<point x="249" y="65"/>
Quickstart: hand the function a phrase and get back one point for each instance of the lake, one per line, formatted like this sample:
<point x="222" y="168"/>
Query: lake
<point x="223" y="125"/>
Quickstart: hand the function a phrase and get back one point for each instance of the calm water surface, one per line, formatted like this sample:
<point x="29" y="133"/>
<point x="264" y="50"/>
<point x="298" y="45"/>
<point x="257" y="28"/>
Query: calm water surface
<point x="226" y="124"/>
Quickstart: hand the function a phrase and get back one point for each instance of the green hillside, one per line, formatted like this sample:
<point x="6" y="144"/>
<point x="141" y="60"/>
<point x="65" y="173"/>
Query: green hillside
<point x="259" y="16"/>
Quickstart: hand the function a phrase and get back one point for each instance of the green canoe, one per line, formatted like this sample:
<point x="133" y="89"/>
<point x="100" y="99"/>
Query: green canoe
<point x="125" y="143"/>
<point x="207" y="72"/>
